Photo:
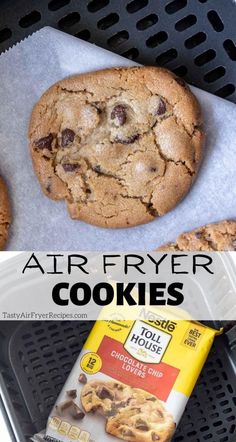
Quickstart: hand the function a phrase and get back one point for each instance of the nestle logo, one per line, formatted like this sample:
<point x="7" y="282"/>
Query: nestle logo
<point x="158" y="320"/>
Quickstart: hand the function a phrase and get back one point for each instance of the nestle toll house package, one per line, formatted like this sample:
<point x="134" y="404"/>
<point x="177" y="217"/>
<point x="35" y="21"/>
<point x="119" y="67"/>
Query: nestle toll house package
<point x="131" y="382"/>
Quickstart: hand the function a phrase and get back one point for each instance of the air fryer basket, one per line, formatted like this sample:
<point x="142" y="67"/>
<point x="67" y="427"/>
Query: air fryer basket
<point x="195" y="39"/>
<point x="36" y="358"/>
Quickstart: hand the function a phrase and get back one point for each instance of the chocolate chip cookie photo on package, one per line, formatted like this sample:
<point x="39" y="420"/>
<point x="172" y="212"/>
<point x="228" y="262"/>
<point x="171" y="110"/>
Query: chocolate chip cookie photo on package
<point x="131" y="382"/>
<point x="121" y="146"/>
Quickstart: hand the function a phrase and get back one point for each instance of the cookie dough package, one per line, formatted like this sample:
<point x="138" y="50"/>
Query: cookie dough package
<point x="131" y="382"/>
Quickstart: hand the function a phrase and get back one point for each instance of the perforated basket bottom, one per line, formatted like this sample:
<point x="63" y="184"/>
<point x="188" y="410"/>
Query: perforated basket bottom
<point x="37" y="358"/>
<point x="194" y="38"/>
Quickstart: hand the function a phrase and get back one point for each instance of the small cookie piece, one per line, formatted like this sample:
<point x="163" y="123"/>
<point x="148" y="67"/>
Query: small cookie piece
<point x="220" y="236"/>
<point x="120" y="146"/>
<point x="5" y="214"/>
<point x="131" y="414"/>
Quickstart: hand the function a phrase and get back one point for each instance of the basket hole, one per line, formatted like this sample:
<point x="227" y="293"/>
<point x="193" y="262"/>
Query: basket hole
<point x="30" y="19"/>
<point x="147" y="22"/>
<point x="156" y="39"/>
<point x="108" y="21"/>
<point x="40" y="408"/>
<point x="227" y="410"/>
<point x="230" y="418"/>
<point x="205" y="428"/>
<point x="215" y="21"/>
<point x="230" y="49"/>
<point x="136" y="5"/>
<point x="195" y="40"/>
<point x="5" y="34"/>
<point x="84" y="35"/>
<point x="205" y="57"/>
<point x="181" y="71"/>
<point x="132" y="53"/>
<point x="215" y="74"/>
<point x="118" y="39"/>
<point x="69" y="20"/>
<point x="54" y="5"/>
<point x="167" y="56"/>
<point x="186" y="23"/>
<point x="230" y="388"/>
<point x="192" y="433"/>
<point x="96" y="5"/>
<point x="175" y="6"/>
<point x="232" y="429"/>
<point x="224" y="375"/>
<point x="217" y="423"/>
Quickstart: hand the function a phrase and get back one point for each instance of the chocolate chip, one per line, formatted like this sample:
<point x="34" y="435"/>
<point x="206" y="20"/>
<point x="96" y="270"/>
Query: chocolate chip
<point x="181" y="82"/>
<point x="70" y="167"/>
<point x="104" y="393"/>
<point x="49" y="187"/>
<point x="72" y="393"/>
<point x="141" y="425"/>
<point x="128" y="140"/>
<point x="45" y="142"/>
<point x="155" y="437"/>
<point x="82" y="378"/>
<point x="97" y="169"/>
<point x="115" y="407"/>
<point x="198" y="235"/>
<point x="153" y="169"/>
<point x="161" y="107"/>
<point x="76" y="412"/>
<point x="127" y="432"/>
<point x="64" y="405"/>
<point x="67" y="137"/>
<point x="119" y="114"/>
<point x="152" y="399"/>
<point x="234" y="244"/>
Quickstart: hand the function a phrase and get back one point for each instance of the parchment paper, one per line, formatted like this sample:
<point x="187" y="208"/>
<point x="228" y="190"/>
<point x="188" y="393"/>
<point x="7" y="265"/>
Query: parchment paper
<point x="26" y="71"/>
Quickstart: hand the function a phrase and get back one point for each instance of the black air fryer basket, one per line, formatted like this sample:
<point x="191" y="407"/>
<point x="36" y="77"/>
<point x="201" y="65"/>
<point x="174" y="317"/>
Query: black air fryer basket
<point x="37" y="357"/>
<point x="197" y="40"/>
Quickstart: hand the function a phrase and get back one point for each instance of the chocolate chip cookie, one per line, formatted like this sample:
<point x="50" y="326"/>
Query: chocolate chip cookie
<point x="212" y="237"/>
<point x="131" y="414"/>
<point x="120" y="146"/>
<point x="5" y="214"/>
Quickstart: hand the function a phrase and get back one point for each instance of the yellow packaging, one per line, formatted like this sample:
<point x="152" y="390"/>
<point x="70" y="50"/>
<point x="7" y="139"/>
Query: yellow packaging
<point x="131" y="381"/>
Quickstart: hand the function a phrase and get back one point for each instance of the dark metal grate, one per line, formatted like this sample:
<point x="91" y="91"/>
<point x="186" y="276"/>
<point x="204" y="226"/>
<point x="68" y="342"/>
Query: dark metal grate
<point x="37" y="357"/>
<point x="194" y="38"/>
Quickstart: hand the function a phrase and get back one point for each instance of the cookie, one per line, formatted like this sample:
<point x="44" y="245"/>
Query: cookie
<point x="131" y="414"/>
<point x="146" y="421"/>
<point x="120" y="146"/>
<point x="212" y="237"/>
<point x="5" y="214"/>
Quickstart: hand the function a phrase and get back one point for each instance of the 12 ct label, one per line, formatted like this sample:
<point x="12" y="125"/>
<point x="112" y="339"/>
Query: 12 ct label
<point x="146" y="343"/>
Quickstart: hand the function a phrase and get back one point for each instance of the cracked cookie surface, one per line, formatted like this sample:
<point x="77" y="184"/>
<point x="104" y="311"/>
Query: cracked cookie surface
<point x="212" y="237"/>
<point x="121" y="146"/>
<point x="131" y="414"/>
<point x="5" y="214"/>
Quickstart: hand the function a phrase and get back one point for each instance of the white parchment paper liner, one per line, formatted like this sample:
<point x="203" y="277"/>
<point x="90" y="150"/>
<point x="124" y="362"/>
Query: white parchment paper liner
<point x="26" y="71"/>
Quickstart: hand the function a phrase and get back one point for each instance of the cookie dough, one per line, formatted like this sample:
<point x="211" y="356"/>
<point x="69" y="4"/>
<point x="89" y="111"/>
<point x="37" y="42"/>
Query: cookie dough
<point x="131" y="414"/>
<point x="120" y="146"/>
<point x="5" y="214"/>
<point x="212" y="237"/>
